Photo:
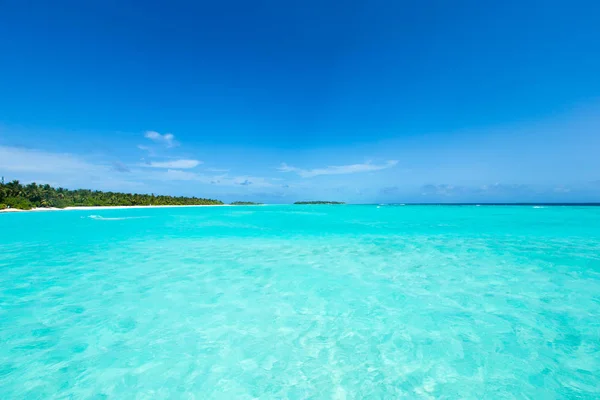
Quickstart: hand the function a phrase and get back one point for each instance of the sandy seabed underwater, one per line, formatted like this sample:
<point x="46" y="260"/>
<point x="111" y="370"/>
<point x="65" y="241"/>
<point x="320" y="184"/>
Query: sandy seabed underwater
<point x="297" y="302"/>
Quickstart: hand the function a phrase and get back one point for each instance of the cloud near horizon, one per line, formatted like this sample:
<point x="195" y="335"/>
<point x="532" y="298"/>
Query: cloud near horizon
<point x="177" y="176"/>
<point x="168" y="139"/>
<point x="337" y="169"/>
<point x="223" y="179"/>
<point x="120" y="167"/>
<point x="175" y="164"/>
<point x="216" y="170"/>
<point x="62" y="169"/>
<point x="15" y="159"/>
<point x="73" y="171"/>
<point x="503" y="192"/>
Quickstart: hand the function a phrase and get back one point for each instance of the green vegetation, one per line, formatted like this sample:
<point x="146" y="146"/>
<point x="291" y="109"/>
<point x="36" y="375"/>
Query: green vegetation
<point x="25" y="197"/>
<point x="245" y="203"/>
<point x="17" y="202"/>
<point x="319" y="202"/>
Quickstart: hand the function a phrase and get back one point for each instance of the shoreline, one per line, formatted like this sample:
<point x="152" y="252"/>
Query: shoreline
<point x="17" y="210"/>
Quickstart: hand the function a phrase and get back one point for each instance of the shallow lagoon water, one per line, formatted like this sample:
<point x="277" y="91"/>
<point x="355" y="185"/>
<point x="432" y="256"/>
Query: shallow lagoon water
<point x="320" y="302"/>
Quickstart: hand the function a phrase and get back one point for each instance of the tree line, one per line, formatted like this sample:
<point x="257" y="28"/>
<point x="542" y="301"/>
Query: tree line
<point x="16" y="195"/>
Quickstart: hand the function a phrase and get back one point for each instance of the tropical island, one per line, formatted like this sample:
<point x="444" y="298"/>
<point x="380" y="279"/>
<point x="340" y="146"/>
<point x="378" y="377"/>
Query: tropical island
<point x="25" y="197"/>
<point x="245" y="203"/>
<point x="319" y="202"/>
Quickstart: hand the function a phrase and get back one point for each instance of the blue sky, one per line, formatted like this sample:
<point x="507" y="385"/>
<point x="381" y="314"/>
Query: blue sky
<point x="361" y="101"/>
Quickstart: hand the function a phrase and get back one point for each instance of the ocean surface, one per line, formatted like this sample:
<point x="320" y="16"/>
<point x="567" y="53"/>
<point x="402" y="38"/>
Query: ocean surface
<point x="301" y="302"/>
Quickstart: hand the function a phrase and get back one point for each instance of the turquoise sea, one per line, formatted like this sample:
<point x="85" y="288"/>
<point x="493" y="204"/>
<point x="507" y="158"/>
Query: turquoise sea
<point x="301" y="302"/>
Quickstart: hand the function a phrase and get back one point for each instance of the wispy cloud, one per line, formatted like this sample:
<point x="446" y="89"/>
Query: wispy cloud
<point x="562" y="189"/>
<point x="390" y="190"/>
<point x="223" y="180"/>
<point x="178" y="175"/>
<point x="15" y="159"/>
<point x="74" y="171"/>
<point x="62" y="169"/>
<point x="120" y="167"/>
<point x="174" y="164"/>
<point x="337" y="169"/>
<point x="495" y="190"/>
<point x="168" y="139"/>
<point x="448" y="190"/>
<point x="216" y="170"/>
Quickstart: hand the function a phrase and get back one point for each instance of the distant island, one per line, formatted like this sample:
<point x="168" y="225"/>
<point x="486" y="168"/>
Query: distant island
<point x="319" y="202"/>
<point x="245" y="203"/>
<point x="26" y="197"/>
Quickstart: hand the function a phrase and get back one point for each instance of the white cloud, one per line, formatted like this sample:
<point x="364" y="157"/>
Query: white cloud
<point x="178" y="175"/>
<point x="120" y="167"/>
<point x="337" y="169"/>
<point x="562" y="189"/>
<point x="175" y="164"/>
<point x="223" y="180"/>
<point x="168" y="139"/>
<point x="519" y="191"/>
<point x="255" y="181"/>
<point x="60" y="169"/>
<point x="14" y="159"/>
<point x="73" y="171"/>
<point x="216" y="170"/>
<point x="149" y="149"/>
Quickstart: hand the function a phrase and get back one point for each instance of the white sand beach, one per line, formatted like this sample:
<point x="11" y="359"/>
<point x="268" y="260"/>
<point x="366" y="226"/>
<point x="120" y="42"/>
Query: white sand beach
<point x="8" y="210"/>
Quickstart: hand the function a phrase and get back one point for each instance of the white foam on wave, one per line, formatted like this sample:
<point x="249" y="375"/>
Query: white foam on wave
<point x="539" y="207"/>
